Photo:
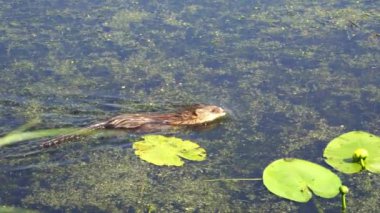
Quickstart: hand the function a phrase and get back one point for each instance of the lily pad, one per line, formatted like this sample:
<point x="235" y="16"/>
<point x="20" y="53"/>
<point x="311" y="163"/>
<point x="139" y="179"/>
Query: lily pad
<point x="344" y="152"/>
<point x="161" y="150"/>
<point x="297" y="180"/>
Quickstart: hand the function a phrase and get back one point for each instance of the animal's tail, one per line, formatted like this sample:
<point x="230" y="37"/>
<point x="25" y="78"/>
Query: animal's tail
<point x="80" y="134"/>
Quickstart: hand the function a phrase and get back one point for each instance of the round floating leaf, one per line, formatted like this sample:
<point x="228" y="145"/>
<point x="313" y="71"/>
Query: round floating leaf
<point x="349" y="151"/>
<point x="161" y="150"/>
<point x="297" y="180"/>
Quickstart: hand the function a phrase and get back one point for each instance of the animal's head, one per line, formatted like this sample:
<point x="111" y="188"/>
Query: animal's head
<point x="208" y="113"/>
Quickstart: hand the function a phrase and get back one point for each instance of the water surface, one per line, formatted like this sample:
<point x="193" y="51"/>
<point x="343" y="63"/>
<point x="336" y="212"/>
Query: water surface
<point x="293" y="76"/>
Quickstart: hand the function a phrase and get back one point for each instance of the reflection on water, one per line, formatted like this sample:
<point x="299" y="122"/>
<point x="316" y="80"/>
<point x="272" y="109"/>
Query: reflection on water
<point x="294" y="75"/>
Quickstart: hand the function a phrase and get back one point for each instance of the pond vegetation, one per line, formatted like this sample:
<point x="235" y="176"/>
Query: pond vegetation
<point x="293" y="75"/>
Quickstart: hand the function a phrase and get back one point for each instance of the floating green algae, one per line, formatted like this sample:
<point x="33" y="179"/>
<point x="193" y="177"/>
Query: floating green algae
<point x="293" y="74"/>
<point x="135" y="185"/>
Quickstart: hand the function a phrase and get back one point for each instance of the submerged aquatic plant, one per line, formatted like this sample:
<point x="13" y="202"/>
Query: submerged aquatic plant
<point x="20" y="134"/>
<point x="9" y="209"/>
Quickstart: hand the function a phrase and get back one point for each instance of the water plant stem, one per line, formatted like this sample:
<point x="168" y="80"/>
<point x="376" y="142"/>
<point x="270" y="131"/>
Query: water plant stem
<point x="343" y="191"/>
<point x="233" y="179"/>
<point x="344" y="205"/>
<point x="362" y="163"/>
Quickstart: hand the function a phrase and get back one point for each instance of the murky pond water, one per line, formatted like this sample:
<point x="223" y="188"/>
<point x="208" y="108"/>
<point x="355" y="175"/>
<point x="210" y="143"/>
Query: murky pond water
<point x="292" y="75"/>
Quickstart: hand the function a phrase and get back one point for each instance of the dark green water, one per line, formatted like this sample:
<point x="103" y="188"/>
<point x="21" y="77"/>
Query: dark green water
<point x="293" y="75"/>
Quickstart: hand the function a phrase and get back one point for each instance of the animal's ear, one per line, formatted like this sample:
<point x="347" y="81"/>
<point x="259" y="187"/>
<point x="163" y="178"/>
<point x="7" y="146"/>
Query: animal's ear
<point x="199" y="111"/>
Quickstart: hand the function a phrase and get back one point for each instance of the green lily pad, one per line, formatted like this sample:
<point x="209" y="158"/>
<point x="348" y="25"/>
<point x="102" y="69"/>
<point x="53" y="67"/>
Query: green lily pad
<point x="297" y="180"/>
<point x="344" y="152"/>
<point x="161" y="150"/>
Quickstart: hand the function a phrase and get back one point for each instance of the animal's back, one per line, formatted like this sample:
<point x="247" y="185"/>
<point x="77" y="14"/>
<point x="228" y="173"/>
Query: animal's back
<point x="147" y="122"/>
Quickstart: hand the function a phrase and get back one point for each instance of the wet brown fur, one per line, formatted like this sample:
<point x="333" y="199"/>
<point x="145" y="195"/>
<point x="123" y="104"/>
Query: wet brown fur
<point x="148" y="122"/>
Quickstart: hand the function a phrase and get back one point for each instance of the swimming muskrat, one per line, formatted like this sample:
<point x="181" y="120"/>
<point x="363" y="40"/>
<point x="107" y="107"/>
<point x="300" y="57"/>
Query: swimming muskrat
<point x="148" y="122"/>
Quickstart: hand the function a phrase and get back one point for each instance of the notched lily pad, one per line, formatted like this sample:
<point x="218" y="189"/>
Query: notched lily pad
<point x="161" y="150"/>
<point x="354" y="151"/>
<point x="297" y="180"/>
